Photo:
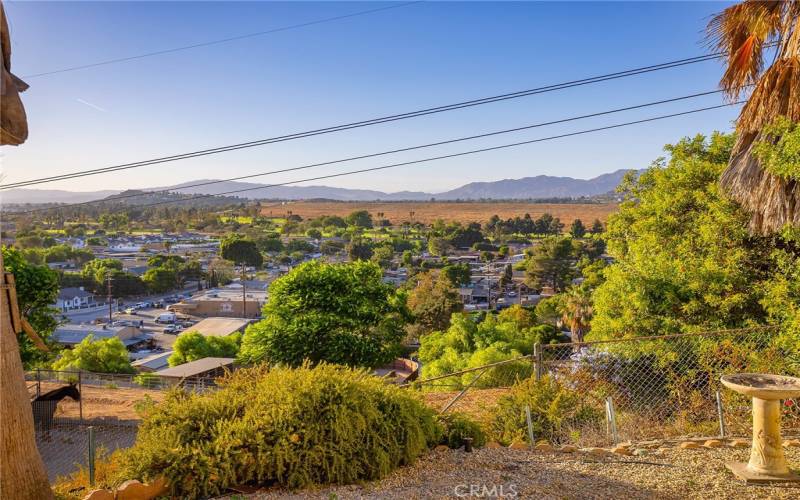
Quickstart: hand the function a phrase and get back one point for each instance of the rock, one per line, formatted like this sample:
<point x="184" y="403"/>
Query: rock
<point x="568" y="448"/>
<point x="640" y="452"/>
<point x="712" y="443"/>
<point x="516" y="445"/>
<point x="740" y="443"/>
<point x="442" y="447"/>
<point x="544" y="447"/>
<point x="689" y="445"/>
<point x="99" y="495"/>
<point x="493" y="445"/>
<point x="792" y="443"/>
<point x="132" y="490"/>
<point x="621" y="450"/>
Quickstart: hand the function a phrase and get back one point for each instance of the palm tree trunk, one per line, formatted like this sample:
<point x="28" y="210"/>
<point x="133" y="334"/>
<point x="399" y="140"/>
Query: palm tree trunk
<point x="772" y="201"/>
<point x="22" y="473"/>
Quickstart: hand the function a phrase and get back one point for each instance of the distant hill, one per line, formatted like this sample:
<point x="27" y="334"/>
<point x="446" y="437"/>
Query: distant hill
<point x="36" y="196"/>
<point x="527" y="188"/>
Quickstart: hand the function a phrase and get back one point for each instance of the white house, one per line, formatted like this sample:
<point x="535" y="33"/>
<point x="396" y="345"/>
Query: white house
<point x="74" y="298"/>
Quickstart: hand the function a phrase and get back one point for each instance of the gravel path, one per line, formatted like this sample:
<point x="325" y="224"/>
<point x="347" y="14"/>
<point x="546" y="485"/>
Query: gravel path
<point x="507" y="473"/>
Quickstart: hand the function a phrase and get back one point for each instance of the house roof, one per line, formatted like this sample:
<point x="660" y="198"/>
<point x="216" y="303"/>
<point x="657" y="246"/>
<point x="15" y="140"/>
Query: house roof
<point x="74" y="334"/>
<point x="157" y="361"/>
<point x="219" y="327"/>
<point x="195" y="368"/>
<point x="71" y="292"/>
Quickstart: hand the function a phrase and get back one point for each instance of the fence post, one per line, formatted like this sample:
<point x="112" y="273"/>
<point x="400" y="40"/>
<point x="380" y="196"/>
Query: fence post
<point x="91" y="455"/>
<point x="721" y="414"/>
<point x="38" y="382"/>
<point x="530" y="425"/>
<point x="611" y="420"/>
<point x="537" y="361"/>
<point x="80" y="400"/>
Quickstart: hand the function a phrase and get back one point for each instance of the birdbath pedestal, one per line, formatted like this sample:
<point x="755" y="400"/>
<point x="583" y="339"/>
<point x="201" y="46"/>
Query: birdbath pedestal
<point x="767" y="462"/>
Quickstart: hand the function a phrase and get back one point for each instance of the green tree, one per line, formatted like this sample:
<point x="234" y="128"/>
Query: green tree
<point x="551" y="264"/>
<point x="340" y="313"/>
<point x="359" y="250"/>
<point x="432" y="301"/>
<point x="241" y="251"/>
<point x="684" y="258"/>
<point x="191" y="346"/>
<point x="458" y="274"/>
<point x="160" y="279"/>
<point x="576" y="311"/>
<point x="360" y="218"/>
<point x="37" y="289"/>
<point x="314" y="233"/>
<point x="99" y="356"/>
<point x="597" y="227"/>
<point x="439" y="246"/>
<point x="383" y="255"/>
<point x="577" y="229"/>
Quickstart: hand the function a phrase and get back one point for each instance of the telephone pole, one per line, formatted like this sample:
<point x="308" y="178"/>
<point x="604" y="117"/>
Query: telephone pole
<point x="110" y="310"/>
<point x="244" y="295"/>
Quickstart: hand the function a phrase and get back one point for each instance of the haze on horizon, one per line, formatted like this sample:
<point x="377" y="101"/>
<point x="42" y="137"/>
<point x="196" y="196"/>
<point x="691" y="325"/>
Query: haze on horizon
<point x="387" y="62"/>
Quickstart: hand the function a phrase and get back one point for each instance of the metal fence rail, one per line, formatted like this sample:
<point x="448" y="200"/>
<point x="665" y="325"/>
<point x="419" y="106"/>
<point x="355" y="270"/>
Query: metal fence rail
<point x="66" y="404"/>
<point x="638" y="388"/>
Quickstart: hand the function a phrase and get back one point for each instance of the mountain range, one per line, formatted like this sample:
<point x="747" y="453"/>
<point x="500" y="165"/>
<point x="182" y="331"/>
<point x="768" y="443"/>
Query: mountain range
<point x="527" y="188"/>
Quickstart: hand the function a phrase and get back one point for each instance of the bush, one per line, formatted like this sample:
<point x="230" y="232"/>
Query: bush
<point x="458" y="426"/>
<point x="281" y="426"/>
<point x="554" y="411"/>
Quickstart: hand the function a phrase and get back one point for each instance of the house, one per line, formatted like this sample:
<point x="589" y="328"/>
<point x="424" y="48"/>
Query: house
<point x="74" y="298"/>
<point x="219" y="327"/>
<point x="200" y="369"/>
<point x="71" y="335"/>
<point x="153" y="362"/>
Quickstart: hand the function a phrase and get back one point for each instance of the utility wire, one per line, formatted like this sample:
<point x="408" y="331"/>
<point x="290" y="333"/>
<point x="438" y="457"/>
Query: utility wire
<point x="414" y="162"/>
<point x="400" y="150"/>
<point x="220" y="41"/>
<point x="365" y="123"/>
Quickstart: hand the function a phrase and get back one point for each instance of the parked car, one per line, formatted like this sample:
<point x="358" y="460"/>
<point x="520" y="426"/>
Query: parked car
<point x="130" y="310"/>
<point x="174" y="329"/>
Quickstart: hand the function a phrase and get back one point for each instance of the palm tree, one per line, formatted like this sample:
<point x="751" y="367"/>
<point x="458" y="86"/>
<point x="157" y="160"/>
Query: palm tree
<point x="745" y="32"/>
<point x="576" y="312"/>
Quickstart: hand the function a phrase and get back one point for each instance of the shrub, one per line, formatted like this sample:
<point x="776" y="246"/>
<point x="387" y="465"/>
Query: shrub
<point x="281" y="426"/>
<point x="458" y="426"/>
<point x="554" y="411"/>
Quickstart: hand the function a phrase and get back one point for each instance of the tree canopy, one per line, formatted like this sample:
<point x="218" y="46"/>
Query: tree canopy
<point x="37" y="289"/>
<point x="241" y="250"/>
<point x="96" y="355"/>
<point x="340" y="313"/>
<point x="191" y="346"/>
<point x="684" y="258"/>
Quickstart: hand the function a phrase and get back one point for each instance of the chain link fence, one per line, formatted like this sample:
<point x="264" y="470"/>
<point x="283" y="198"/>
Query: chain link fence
<point x="634" y="389"/>
<point x="67" y="404"/>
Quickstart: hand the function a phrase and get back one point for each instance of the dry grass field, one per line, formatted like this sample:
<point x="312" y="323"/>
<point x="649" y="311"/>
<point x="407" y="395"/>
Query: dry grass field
<point x="427" y="212"/>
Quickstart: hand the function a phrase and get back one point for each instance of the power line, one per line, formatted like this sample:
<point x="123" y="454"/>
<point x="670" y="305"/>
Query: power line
<point x="424" y="160"/>
<point x="219" y="41"/>
<point x="400" y="150"/>
<point x="365" y="123"/>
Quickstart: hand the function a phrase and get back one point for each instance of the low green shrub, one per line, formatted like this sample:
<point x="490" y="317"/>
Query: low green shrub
<point x="457" y="427"/>
<point x="281" y="426"/>
<point x="555" y="411"/>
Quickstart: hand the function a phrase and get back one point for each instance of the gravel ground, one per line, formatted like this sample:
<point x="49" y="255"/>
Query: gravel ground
<point x="507" y="473"/>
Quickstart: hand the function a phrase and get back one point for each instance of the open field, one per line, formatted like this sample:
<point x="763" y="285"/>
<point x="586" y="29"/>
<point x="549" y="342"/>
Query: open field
<point x="428" y="212"/>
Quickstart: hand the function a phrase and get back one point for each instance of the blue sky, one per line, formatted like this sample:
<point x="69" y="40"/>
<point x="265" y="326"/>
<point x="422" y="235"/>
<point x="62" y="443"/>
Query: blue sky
<point x="393" y="61"/>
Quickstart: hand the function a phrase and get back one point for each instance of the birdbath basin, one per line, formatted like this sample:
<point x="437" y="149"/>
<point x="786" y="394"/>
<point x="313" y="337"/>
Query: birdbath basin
<point x="767" y="462"/>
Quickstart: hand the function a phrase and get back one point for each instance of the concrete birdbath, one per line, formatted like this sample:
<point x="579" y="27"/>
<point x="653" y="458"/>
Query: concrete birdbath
<point x="767" y="463"/>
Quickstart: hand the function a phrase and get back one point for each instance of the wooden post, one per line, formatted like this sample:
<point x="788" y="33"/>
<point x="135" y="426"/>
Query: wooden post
<point x="22" y="472"/>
